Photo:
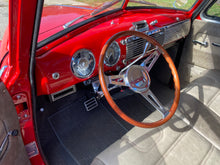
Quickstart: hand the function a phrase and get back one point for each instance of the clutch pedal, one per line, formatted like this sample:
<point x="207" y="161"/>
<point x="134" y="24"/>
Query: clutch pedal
<point x="91" y="104"/>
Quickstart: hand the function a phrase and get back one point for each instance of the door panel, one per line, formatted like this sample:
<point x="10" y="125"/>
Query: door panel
<point x="200" y="52"/>
<point x="13" y="151"/>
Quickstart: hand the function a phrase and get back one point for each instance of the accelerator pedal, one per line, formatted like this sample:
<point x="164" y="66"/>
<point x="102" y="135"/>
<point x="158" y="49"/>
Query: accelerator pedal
<point x="91" y="104"/>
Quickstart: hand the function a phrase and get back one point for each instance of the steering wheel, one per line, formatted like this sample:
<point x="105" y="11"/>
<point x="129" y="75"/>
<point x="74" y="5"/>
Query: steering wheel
<point x="137" y="78"/>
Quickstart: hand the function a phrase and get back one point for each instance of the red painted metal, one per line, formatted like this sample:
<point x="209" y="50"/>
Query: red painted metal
<point x="190" y="12"/>
<point x="125" y="4"/>
<point x="50" y="25"/>
<point x="15" y="77"/>
<point x="198" y="17"/>
<point x="54" y="17"/>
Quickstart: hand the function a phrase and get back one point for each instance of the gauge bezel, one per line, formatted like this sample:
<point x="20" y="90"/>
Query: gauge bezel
<point x="72" y="60"/>
<point x="110" y="65"/>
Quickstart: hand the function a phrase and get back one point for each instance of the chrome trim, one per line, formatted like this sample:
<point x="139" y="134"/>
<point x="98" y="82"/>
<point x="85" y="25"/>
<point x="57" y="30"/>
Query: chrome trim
<point x="207" y="19"/>
<point x="118" y="80"/>
<point x="205" y="43"/>
<point x="65" y="92"/>
<point x="216" y="44"/>
<point x="72" y="63"/>
<point x="135" y="26"/>
<point x="2" y="70"/>
<point x="55" y="76"/>
<point x="152" y="99"/>
<point x="176" y="31"/>
<point x="97" y="88"/>
<point x="134" y="46"/>
<point x="137" y="79"/>
<point x="203" y="17"/>
<point x="132" y="51"/>
<point x="149" y="62"/>
<point x="177" y="18"/>
<point x="164" y="35"/>
<point x="5" y="140"/>
<point x="66" y="25"/>
<point x="147" y="46"/>
<point x="91" y="104"/>
<point x="118" y="56"/>
<point x="154" y="22"/>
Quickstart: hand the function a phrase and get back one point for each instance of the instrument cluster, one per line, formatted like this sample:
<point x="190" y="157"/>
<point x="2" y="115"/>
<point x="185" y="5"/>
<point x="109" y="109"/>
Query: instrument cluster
<point x="83" y="61"/>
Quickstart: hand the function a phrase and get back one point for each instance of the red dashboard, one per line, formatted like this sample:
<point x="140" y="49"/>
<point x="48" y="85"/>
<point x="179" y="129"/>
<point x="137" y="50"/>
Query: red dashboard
<point x="166" y="26"/>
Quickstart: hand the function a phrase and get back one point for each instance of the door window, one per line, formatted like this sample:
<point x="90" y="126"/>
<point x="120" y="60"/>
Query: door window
<point x="213" y="11"/>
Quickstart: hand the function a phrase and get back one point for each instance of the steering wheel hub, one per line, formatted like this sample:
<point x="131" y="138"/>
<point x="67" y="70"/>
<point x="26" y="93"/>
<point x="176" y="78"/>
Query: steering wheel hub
<point x="137" y="78"/>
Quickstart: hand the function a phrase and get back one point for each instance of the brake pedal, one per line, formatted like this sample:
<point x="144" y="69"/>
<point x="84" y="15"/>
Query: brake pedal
<point x="91" y="104"/>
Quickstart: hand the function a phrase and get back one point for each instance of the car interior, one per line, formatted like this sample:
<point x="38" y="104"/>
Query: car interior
<point x="75" y="123"/>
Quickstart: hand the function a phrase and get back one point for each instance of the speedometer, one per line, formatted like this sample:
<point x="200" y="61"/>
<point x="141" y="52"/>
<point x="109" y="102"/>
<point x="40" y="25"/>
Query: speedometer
<point x="83" y="63"/>
<point x="112" y="54"/>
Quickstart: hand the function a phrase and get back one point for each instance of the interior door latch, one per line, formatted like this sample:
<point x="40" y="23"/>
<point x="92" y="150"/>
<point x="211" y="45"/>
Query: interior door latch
<point x="205" y="43"/>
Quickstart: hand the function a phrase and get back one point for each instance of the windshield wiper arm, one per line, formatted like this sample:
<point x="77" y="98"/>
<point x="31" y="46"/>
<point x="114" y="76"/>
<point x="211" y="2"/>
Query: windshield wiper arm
<point x="66" y="25"/>
<point x="104" y="6"/>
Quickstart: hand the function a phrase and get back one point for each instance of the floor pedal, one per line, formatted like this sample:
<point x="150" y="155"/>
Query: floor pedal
<point x="91" y="104"/>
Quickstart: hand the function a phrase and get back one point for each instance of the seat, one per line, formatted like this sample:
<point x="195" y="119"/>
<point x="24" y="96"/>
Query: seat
<point x="192" y="136"/>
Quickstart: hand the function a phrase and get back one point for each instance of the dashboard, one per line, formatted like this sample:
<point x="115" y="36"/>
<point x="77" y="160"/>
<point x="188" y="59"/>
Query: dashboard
<point x="76" y="60"/>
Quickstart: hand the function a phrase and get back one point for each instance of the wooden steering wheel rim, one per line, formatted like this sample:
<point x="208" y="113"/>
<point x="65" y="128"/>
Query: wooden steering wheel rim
<point x="108" y="96"/>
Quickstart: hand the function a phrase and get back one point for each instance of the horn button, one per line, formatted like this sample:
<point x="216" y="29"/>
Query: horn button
<point x="137" y="78"/>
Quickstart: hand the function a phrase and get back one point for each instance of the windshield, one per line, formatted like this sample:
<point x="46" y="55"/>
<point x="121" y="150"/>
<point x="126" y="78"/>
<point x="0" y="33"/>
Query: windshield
<point x="176" y="4"/>
<point x="59" y="15"/>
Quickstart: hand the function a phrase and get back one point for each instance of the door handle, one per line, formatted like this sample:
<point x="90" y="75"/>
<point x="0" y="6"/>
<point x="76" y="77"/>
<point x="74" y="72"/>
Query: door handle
<point x="216" y="44"/>
<point x="205" y="44"/>
<point x="10" y="133"/>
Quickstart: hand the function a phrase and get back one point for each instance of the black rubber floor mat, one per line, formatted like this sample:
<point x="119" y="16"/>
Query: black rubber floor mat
<point x="85" y="134"/>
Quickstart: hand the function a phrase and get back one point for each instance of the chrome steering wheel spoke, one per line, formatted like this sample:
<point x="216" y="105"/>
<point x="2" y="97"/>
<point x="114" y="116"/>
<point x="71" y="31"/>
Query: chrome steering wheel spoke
<point x="152" y="99"/>
<point x="149" y="62"/>
<point x="118" y="80"/>
<point x="147" y="46"/>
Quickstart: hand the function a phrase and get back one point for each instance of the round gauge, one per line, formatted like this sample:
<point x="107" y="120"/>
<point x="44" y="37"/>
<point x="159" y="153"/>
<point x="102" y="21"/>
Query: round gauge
<point x="83" y="63"/>
<point x="112" y="54"/>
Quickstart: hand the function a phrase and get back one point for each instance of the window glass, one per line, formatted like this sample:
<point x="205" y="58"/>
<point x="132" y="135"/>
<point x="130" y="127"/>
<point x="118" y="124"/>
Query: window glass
<point x="176" y="4"/>
<point x="3" y="17"/>
<point x="214" y="10"/>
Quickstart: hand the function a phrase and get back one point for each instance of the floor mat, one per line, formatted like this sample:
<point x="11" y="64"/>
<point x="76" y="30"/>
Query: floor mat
<point x="85" y="134"/>
<point x="132" y="104"/>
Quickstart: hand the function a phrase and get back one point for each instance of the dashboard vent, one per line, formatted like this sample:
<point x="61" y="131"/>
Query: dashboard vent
<point x="65" y="92"/>
<point x="159" y="36"/>
<point x="135" y="45"/>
